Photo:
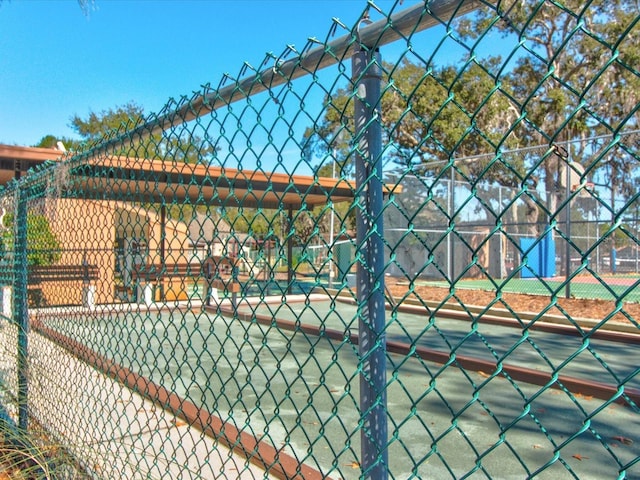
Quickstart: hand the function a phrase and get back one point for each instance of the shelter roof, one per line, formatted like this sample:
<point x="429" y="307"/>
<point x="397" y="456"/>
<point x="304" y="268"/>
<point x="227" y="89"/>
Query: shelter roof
<point x="159" y="181"/>
<point x="14" y="157"/>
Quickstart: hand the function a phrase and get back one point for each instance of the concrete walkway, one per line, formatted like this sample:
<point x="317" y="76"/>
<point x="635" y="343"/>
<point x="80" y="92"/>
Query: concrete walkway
<point x="112" y="431"/>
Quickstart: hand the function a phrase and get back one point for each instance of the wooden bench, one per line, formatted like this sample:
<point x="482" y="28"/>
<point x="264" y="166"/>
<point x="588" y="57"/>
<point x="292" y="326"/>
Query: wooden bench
<point x="156" y="273"/>
<point x="147" y="277"/>
<point x="38" y="276"/>
<point x="226" y="285"/>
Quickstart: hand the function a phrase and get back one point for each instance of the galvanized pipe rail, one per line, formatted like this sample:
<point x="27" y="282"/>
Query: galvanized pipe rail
<point x="374" y="35"/>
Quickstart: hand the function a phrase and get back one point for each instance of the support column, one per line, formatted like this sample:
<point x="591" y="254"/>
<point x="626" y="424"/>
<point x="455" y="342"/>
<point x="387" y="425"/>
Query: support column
<point x="21" y="307"/>
<point x="163" y="253"/>
<point x="289" y="251"/>
<point x="367" y="76"/>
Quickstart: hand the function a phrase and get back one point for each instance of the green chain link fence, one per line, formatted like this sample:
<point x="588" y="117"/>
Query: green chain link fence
<point x="409" y="250"/>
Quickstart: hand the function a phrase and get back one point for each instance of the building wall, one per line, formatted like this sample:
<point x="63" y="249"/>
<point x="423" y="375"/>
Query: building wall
<point x="86" y="232"/>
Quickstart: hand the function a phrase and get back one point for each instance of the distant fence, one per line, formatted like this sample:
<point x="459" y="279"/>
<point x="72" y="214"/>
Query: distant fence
<point x="364" y="259"/>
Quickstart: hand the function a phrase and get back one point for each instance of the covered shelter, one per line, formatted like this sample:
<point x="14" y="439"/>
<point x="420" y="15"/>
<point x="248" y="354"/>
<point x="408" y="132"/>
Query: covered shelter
<point x="16" y="161"/>
<point x="164" y="183"/>
<point x="113" y="178"/>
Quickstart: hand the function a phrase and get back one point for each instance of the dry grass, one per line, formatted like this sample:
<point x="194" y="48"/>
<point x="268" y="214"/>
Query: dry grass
<point x="25" y="457"/>
<point x="18" y="462"/>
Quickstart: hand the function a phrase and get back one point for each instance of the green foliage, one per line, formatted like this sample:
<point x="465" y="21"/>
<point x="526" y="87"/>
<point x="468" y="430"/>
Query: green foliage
<point x="428" y="115"/>
<point x="256" y="222"/>
<point x="266" y="223"/>
<point x="175" y="145"/>
<point x="556" y="88"/>
<point x="576" y="92"/>
<point x="112" y="121"/>
<point x="50" y="141"/>
<point x="570" y="78"/>
<point x="43" y="247"/>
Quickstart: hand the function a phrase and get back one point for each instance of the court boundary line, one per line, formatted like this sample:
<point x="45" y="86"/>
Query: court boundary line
<point x="621" y="395"/>
<point x="273" y="461"/>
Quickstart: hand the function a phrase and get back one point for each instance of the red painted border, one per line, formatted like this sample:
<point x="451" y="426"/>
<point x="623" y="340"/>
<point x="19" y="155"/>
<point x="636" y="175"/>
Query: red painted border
<point x="574" y="385"/>
<point x="265" y="456"/>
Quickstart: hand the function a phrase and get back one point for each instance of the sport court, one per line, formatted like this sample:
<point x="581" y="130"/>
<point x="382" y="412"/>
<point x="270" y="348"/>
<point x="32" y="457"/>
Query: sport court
<point x="262" y="378"/>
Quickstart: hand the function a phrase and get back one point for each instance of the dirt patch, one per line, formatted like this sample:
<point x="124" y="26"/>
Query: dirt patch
<point x="576" y="308"/>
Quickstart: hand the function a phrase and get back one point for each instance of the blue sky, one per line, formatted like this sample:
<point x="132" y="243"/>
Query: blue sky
<point x="56" y="62"/>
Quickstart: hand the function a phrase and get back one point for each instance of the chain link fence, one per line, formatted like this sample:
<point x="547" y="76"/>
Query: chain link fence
<point x="476" y="209"/>
<point x="407" y="251"/>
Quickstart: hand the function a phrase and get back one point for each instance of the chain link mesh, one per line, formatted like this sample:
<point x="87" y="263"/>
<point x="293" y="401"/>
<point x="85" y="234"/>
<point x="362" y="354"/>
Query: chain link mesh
<point x="198" y="294"/>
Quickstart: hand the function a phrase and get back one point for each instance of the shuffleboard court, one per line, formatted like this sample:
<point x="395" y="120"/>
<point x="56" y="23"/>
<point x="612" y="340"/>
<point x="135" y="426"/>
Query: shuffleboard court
<point x="298" y="390"/>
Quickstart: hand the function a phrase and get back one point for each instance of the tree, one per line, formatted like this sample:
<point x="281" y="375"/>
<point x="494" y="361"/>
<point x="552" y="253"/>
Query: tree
<point x="564" y="82"/>
<point x="86" y="5"/>
<point x="96" y="126"/>
<point x="433" y="117"/>
<point x="572" y="77"/>
<point x="176" y="145"/>
<point x="113" y="121"/>
<point x="578" y="79"/>
<point x="43" y="246"/>
<point x="429" y="114"/>
<point x="50" y="141"/>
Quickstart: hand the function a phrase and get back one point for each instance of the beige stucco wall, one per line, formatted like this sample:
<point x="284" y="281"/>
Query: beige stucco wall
<point x="85" y="230"/>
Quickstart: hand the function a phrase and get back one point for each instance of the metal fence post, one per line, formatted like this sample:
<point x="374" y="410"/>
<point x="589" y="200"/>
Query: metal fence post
<point x="367" y="75"/>
<point x="21" y="306"/>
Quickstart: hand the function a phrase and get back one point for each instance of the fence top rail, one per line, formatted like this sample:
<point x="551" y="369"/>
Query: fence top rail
<point x="419" y="17"/>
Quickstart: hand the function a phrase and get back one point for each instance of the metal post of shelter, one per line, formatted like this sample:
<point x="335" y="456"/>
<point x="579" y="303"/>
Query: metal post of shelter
<point x="163" y="232"/>
<point x="163" y="253"/>
<point x="289" y="251"/>
<point x="567" y="196"/>
<point x="367" y="75"/>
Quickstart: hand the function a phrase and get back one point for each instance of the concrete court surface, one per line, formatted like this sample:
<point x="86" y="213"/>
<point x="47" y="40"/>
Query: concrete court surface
<point x="443" y="422"/>
<point x="114" y="432"/>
